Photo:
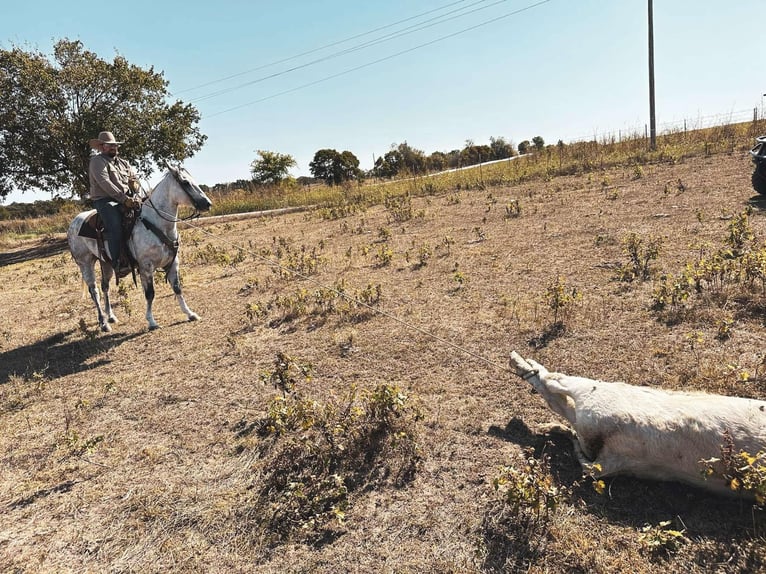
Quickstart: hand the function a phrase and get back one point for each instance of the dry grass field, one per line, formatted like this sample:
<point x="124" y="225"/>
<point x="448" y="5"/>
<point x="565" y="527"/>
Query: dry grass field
<point x="376" y="444"/>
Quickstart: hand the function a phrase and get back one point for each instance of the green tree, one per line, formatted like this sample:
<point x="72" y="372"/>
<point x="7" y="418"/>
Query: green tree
<point x="334" y="168"/>
<point x="501" y="148"/>
<point x="538" y="142"/>
<point x="322" y="166"/>
<point x="348" y="167"/>
<point x="473" y="154"/>
<point x="400" y="159"/>
<point x="524" y="147"/>
<point x="437" y="161"/>
<point x="272" y="167"/>
<point x="50" y="108"/>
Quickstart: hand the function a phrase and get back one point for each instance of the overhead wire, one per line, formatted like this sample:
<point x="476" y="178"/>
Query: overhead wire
<point x="441" y="19"/>
<point x="383" y="59"/>
<point x="324" y="47"/>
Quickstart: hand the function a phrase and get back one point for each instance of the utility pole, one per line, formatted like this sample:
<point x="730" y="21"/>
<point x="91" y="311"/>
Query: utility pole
<point x="652" y="123"/>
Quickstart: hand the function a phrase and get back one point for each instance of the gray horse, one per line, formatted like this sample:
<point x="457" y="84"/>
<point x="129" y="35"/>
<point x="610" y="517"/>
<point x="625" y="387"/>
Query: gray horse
<point x="153" y="244"/>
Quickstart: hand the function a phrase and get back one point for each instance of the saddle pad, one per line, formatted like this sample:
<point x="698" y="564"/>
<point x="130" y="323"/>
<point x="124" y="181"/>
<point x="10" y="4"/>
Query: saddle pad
<point x="91" y="227"/>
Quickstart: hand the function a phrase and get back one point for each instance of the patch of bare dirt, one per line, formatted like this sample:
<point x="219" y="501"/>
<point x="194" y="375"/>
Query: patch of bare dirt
<point x="121" y="452"/>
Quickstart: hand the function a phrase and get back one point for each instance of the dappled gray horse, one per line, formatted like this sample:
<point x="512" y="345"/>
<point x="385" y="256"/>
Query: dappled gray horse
<point x="153" y="244"/>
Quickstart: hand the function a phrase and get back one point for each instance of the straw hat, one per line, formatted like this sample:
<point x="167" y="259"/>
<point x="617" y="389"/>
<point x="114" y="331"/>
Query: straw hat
<point x="103" y="138"/>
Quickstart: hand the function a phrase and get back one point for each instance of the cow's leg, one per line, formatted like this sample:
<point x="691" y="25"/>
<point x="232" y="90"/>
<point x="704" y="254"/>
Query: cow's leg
<point x="175" y="283"/>
<point x="106" y="277"/>
<point x="555" y="428"/>
<point x="147" y="283"/>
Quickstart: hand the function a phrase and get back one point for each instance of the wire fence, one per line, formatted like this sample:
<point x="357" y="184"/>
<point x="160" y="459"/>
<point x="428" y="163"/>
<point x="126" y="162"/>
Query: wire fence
<point x="675" y="126"/>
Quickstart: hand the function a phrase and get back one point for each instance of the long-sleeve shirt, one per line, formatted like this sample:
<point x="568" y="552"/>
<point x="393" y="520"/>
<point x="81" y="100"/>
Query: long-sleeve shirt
<point x="109" y="177"/>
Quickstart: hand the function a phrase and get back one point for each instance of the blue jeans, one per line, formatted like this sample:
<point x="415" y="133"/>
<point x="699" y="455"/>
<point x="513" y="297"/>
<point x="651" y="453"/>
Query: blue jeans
<point x="111" y="215"/>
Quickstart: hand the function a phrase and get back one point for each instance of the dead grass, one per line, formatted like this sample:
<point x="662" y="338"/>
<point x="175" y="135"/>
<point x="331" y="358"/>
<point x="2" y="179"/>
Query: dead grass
<point x="122" y="452"/>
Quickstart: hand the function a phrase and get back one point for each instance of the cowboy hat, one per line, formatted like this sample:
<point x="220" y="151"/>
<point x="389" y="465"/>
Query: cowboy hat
<point x="103" y="138"/>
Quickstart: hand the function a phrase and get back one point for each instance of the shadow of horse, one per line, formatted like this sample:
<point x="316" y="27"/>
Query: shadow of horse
<point x="57" y="356"/>
<point x="757" y="202"/>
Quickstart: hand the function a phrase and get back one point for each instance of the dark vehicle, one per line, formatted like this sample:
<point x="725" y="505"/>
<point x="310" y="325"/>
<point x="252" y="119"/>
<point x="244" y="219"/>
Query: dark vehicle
<point x="758" y="154"/>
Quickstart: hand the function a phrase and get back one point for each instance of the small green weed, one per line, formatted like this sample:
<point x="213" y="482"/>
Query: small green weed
<point x="512" y="209"/>
<point x="641" y="252"/>
<point x="660" y="539"/>
<point x="516" y="524"/>
<point x="743" y="471"/>
<point x="561" y="300"/>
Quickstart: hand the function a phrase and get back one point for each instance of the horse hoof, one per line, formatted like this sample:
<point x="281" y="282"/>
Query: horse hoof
<point x="194" y="317"/>
<point x="113" y="319"/>
<point x="153" y="327"/>
<point x="106" y="328"/>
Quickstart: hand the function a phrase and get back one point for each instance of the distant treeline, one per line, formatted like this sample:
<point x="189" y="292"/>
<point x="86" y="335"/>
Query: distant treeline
<point x="40" y="208"/>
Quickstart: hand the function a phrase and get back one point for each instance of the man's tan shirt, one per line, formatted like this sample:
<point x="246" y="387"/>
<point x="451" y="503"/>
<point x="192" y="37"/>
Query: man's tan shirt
<point x="109" y="177"/>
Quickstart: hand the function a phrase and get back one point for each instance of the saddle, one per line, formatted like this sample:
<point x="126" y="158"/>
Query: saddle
<point x="93" y="228"/>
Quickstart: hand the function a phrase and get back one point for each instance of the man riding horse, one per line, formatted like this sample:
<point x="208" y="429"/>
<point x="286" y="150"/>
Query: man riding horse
<point x="113" y="183"/>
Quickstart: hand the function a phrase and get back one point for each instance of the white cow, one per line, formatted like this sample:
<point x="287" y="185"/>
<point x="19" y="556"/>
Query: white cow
<point x="650" y="433"/>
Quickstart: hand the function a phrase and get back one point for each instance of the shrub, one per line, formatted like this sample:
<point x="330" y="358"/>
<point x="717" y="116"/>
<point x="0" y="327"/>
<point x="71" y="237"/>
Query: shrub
<point x="641" y="252"/>
<point x="744" y="472"/>
<point x="515" y="525"/>
<point x="315" y="454"/>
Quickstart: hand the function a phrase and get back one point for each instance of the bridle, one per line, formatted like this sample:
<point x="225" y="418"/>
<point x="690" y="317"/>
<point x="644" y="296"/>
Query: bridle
<point x="172" y="244"/>
<point x="186" y="186"/>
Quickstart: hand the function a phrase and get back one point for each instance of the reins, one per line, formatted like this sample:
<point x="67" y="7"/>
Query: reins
<point x="194" y="215"/>
<point x="169" y="243"/>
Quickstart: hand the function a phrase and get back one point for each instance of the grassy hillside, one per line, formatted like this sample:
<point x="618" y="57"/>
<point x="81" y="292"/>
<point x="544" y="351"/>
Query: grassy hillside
<point x="345" y="404"/>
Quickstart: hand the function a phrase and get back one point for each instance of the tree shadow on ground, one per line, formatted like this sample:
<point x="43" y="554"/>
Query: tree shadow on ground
<point x="637" y="502"/>
<point x="44" y="248"/>
<point x="59" y="355"/>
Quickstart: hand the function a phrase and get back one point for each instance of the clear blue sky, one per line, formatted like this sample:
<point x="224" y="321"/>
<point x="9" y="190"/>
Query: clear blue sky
<point x="561" y="69"/>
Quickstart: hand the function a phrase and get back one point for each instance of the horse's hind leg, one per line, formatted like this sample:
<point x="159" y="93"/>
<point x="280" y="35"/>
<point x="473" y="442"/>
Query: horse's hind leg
<point x="106" y="277"/>
<point x="88" y="271"/>
<point x="175" y="283"/>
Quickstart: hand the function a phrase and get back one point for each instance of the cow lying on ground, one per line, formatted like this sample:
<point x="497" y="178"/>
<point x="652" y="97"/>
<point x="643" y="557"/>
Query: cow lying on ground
<point x="650" y="433"/>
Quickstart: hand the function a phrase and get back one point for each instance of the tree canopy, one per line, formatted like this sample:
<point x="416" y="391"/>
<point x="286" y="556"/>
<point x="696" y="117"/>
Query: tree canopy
<point x="271" y="167"/>
<point x="400" y="159"/>
<point x="49" y="110"/>
<point x="335" y="168"/>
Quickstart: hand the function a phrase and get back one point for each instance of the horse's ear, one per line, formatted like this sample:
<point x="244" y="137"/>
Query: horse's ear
<point x="172" y="169"/>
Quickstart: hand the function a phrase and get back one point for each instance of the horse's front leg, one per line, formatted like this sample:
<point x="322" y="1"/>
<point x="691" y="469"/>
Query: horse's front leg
<point x="147" y="283"/>
<point x="175" y="283"/>
<point x="106" y="278"/>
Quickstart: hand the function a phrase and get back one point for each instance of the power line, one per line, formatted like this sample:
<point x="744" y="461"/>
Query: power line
<point x="393" y="35"/>
<point x="368" y="64"/>
<point x="320" y="48"/>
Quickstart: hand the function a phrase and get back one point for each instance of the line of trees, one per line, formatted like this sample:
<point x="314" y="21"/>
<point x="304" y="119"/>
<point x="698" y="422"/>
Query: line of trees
<point x="335" y="168"/>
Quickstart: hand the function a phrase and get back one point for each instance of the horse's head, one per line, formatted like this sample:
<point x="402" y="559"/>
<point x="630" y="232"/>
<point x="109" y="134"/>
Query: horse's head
<point x="192" y="193"/>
